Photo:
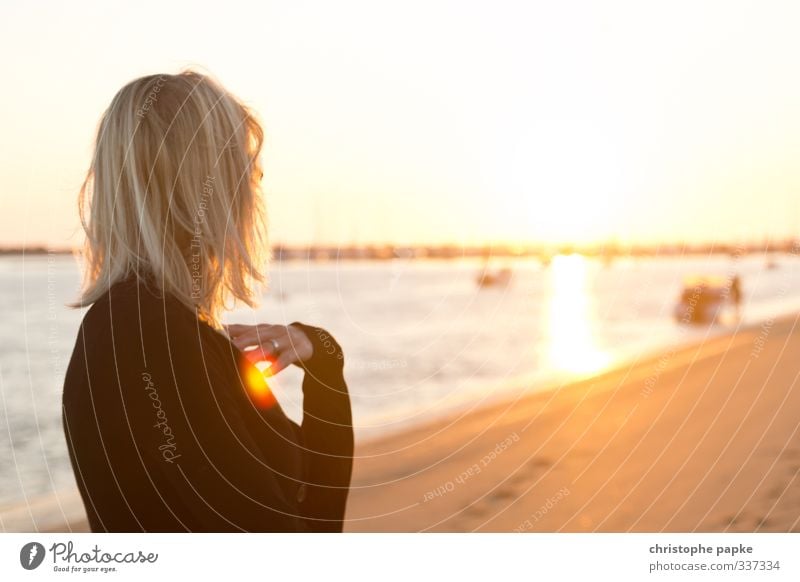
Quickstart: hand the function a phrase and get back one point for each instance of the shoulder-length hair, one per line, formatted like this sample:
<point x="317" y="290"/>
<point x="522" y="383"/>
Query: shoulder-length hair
<point x="173" y="197"/>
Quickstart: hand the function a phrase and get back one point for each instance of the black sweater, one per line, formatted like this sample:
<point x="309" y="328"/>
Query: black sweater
<point x="165" y="434"/>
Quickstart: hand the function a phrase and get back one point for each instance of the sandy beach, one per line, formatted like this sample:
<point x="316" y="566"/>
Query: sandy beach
<point x="701" y="438"/>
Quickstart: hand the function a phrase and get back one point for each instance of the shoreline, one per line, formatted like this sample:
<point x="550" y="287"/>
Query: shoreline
<point x="509" y="390"/>
<point x="451" y="472"/>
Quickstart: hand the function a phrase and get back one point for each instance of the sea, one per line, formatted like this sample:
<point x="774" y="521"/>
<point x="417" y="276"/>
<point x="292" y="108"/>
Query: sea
<point x="421" y="338"/>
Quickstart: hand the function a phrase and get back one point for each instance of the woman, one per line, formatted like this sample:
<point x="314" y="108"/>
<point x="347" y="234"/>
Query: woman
<point x="169" y="424"/>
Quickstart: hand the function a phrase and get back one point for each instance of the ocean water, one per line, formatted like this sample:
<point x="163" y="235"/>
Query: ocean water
<point x="420" y="337"/>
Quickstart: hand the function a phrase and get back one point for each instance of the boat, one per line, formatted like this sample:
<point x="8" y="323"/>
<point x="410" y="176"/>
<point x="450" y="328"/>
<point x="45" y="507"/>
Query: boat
<point x="498" y="278"/>
<point x="708" y="299"/>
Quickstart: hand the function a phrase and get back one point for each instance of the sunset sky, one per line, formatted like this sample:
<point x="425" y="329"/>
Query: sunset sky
<point x="431" y="122"/>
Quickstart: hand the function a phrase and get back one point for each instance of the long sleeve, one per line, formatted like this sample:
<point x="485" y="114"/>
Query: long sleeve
<point x="160" y="430"/>
<point x="327" y="433"/>
<point x="222" y="475"/>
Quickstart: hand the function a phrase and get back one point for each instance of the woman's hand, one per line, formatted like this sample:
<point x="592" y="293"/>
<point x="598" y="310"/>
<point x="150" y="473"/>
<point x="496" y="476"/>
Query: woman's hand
<point x="281" y="345"/>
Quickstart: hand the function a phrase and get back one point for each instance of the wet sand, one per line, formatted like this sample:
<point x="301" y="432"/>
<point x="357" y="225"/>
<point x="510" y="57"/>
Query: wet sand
<point x="703" y="438"/>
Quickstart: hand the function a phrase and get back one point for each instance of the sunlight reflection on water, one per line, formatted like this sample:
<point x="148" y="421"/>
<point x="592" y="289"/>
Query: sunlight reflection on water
<point x="572" y="318"/>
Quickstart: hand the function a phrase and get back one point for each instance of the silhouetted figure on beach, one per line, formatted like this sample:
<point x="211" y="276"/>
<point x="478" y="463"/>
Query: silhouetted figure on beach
<point x="736" y="293"/>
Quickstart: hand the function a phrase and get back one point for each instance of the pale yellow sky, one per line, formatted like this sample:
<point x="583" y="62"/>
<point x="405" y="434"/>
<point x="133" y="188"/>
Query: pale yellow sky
<point x="437" y="121"/>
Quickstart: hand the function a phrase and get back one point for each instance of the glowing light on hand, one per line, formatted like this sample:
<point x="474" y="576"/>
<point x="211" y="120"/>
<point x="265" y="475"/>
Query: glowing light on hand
<point x="255" y="378"/>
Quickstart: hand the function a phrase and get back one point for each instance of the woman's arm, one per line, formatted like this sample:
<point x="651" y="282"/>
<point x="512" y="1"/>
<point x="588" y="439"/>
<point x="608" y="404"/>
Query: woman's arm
<point x="188" y="431"/>
<point x="327" y="428"/>
<point x="327" y="432"/>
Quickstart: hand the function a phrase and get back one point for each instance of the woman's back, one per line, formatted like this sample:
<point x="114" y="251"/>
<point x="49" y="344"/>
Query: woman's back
<point x="163" y="435"/>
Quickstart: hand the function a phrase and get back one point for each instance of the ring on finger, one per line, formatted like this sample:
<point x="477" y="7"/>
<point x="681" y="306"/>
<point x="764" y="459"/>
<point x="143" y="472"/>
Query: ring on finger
<point x="275" y="345"/>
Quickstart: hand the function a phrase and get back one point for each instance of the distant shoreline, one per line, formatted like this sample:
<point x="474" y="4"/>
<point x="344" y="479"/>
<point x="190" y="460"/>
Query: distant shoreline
<point x="384" y="252"/>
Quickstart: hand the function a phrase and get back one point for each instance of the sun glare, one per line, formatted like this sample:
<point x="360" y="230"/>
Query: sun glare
<point x="562" y="183"/>
<point x="572" y="344"/>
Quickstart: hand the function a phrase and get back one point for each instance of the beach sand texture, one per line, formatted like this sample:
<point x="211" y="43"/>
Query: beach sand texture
<point x="702" y="438"/>
<point x="698" y="439"/>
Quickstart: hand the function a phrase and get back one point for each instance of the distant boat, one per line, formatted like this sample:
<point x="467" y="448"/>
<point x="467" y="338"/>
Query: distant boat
<point x="708" y="299"/>
<point x="498" y="278"/>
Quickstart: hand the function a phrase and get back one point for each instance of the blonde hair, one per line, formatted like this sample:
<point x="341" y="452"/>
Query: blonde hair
<point x="172" y="195"/>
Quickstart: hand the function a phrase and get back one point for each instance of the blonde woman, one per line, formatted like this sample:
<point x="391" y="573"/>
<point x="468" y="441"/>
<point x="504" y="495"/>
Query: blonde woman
<point x="169" y="424"/>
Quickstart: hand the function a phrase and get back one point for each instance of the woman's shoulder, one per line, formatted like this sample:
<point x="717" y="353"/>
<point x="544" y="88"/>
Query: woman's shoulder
<point x="132" y="323"/>
<point x="134" y="302"/>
